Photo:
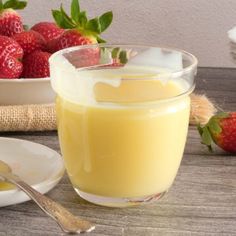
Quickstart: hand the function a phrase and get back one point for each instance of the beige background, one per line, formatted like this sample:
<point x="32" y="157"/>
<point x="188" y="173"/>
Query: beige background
<point x="198" y="26"/>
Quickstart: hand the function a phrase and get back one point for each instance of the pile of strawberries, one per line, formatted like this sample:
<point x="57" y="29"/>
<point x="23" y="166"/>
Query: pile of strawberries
<point x="25" y="53"/>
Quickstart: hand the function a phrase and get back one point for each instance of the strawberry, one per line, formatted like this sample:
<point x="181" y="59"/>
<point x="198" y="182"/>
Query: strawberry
<point x="70" y="38"/>
<point x="221" y="129"/>
<point x="30" y="41"/>
<point x="80" y="30"/>
<point x="36" y="65"/>
<point x="10" y="55"/>
<point x="10" y="20"/>
<point x="48" y="30"/>
<point x="84" y="57"/>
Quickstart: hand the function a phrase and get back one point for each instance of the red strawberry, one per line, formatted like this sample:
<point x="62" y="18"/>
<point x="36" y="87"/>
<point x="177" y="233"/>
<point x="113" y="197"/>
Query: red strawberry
<point x="221" y="129"/>
<point x="84" y="57"/>
<point x="30" y="41"/>
<point x="70" y="38"/>
<point x="80" y="30"/>
<point x="10" y="55"/>
<point x="48" y="30"/>
<point x="36" y="65"/>
<point x="10" y="21"/>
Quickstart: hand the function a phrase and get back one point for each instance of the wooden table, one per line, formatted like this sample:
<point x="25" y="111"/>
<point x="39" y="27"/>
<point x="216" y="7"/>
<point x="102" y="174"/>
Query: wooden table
<point x="202" y="200"/>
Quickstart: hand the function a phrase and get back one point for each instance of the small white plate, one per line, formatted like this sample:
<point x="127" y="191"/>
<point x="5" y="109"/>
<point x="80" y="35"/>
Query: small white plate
<point x="37" y="165"/>
<point x="26" y="91"/>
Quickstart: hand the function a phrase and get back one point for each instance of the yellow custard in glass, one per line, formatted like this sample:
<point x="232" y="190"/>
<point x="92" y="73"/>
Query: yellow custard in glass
<point x="129" y="146"/>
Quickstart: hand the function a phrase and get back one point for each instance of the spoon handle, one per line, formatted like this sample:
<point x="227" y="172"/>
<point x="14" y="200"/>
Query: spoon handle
<point x="68" y="222"/>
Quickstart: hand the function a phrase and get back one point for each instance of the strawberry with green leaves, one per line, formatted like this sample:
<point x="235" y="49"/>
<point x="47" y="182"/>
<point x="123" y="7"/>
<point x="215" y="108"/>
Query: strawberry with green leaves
<point x="79" y="29"/>
<point x="221" y="129"/>
<point x="10" y="20"/>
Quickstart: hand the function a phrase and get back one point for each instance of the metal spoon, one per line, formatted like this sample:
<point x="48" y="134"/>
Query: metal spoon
<point x="68" y="222"/>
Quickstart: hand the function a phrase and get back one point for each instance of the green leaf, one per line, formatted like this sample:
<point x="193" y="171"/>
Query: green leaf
<point x="10" y="4"/>
<point x="26" y="27"/>
<point x="94" y="26"/>
<point x="75" y="10"/>
<point x="57" y="15"/>
<point x="221" y="115"/>
<point x="100" y="40"/>
<point x="200" y="130"/>
<point x="123" y="57"/>
<point x="1" y="5"/>
<point x="66" y="22"/>
<point x="214" y="126"/>
<point x="105" y="20"/>
<point x="114" y="53"/>
<point x="206" y="136"/>
<point x="82" y="20"/>
<point x="21" y="5"/>
<point x="15" y="4"/>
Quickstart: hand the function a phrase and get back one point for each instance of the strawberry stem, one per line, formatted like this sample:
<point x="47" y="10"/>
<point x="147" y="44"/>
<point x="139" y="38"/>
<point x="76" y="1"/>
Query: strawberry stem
<point x="211" y="129"/>
<point x="78" y="20"/>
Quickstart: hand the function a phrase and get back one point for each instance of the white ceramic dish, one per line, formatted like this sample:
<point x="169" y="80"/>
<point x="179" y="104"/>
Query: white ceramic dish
<point x="37" y="165"/>
<point x="26" y="91"/>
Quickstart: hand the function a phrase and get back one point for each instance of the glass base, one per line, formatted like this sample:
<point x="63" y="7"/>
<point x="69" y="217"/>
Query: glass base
<point x="118" y="202"/>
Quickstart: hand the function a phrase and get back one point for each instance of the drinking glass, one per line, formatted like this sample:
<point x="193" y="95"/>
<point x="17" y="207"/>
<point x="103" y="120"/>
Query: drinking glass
<point x="123" y="115"/>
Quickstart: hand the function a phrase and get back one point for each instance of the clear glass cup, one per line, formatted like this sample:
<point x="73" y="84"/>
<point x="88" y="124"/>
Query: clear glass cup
<point x="123" y="114"/>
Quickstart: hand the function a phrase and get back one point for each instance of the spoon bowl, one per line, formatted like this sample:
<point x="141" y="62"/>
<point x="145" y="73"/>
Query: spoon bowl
<point x="68" y="222"/>
<point x="4" y="168"/>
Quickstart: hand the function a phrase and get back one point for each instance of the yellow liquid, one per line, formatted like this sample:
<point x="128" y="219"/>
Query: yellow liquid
<point x="4" y="185"/>
<point x="124" y="150"/>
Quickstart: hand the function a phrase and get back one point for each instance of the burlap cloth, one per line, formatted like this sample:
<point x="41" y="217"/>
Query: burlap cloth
<point x="28" y="118"/>
<point x="42" y="117"/>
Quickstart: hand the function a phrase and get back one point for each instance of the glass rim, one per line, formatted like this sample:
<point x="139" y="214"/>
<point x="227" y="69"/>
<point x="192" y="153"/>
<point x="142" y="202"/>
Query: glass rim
<point x="191" y="57"/>
<point x="193" y="65"/>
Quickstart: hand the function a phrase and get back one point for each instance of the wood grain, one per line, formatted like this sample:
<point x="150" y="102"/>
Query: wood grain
<point x="202" y="200"/>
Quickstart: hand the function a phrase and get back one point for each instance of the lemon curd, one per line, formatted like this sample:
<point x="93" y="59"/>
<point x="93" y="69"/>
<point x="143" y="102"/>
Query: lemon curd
<point x="4" y="185"/>
<point x="130" y="141"/>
